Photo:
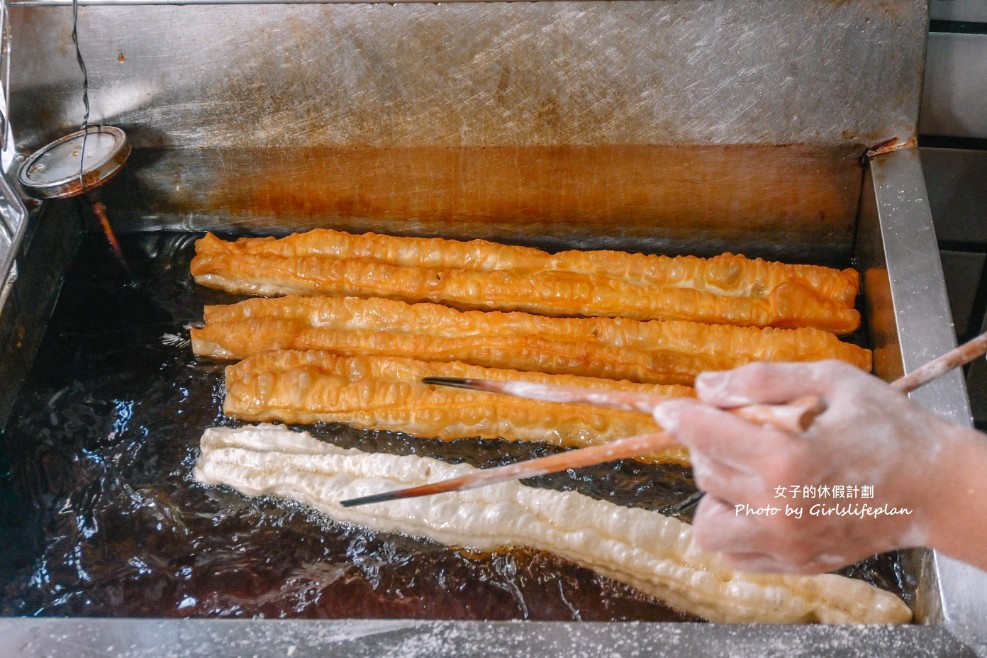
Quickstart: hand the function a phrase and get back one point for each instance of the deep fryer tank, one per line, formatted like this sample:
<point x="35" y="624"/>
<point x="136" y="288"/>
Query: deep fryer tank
<point x="687" y="127"/>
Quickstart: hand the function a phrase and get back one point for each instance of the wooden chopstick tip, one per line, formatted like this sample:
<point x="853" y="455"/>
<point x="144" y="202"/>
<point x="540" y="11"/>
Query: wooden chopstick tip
<point x="374" y="498"/>
<point x="454" y="382"/>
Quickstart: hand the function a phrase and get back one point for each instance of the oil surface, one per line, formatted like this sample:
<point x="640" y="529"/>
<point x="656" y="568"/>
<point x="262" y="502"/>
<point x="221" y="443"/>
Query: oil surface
<point x="100" y="516"/>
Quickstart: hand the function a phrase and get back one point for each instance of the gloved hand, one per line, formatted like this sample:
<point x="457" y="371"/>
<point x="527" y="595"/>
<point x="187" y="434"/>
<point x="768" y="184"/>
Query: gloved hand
<point x="899" y="464"/>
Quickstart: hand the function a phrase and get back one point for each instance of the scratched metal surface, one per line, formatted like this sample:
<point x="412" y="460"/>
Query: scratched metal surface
<point x="479" y="74"/>
<point x="657" y="126"/>
<point x="224" y="638"/>
<point x="901" y="270"/>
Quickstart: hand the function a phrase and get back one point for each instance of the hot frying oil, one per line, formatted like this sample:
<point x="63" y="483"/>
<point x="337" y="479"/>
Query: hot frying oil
<point x="100" y="516"/>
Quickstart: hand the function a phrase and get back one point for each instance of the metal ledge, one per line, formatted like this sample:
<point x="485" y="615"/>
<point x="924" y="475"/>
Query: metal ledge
<point x="910" y="324"/>
<point x="13" y="225"/>
<point x="432" y="639"/>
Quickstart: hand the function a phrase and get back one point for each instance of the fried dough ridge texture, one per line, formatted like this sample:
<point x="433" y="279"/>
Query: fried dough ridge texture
<point x="726" y="289"/>
<point x="386" y="393"/>
<point x="658" y="352"/>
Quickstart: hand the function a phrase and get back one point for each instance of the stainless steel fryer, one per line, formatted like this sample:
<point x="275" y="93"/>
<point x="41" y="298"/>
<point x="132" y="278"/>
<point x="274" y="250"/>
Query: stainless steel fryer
<point x="659" y="125"/>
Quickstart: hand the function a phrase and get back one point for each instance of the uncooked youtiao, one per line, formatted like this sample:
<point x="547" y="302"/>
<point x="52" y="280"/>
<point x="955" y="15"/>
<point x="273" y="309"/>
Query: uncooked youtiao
<point x="649" y="551"/>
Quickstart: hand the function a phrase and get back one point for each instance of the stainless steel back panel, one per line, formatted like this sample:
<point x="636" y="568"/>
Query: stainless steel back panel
<point x="478" y="74"/>
<point x="649" y="125"/>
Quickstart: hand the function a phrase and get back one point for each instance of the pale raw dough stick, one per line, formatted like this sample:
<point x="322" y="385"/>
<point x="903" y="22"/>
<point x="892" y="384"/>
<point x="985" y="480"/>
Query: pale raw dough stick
<point x="616" y="348"/>
<point x="386" y="393"/>
<point x="727" y="289"/>
<point x="649" y="551"/>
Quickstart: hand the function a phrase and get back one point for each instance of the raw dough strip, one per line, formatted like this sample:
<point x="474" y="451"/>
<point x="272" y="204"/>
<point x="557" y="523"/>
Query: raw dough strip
<point x="646" y="550"/>
<point x="616" y="348"/>
<point x="789" y="302"/>
<point x="386" y="393"/>
<point x="726" y="274"/>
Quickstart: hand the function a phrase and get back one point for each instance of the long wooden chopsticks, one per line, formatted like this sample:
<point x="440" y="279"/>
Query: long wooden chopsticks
<point x="796" y="416"/>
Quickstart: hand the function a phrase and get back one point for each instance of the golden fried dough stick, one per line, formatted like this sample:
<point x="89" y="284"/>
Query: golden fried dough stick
<point x="728" y="289"/>
<point x="653" y="352"/>
<point x="651" y="552"/>
<point x="726" y="274"/>
<point x="386" y="393"/>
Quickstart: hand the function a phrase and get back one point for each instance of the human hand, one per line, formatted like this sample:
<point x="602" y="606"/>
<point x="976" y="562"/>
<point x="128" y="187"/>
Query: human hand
<point x="869" y="436"/>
